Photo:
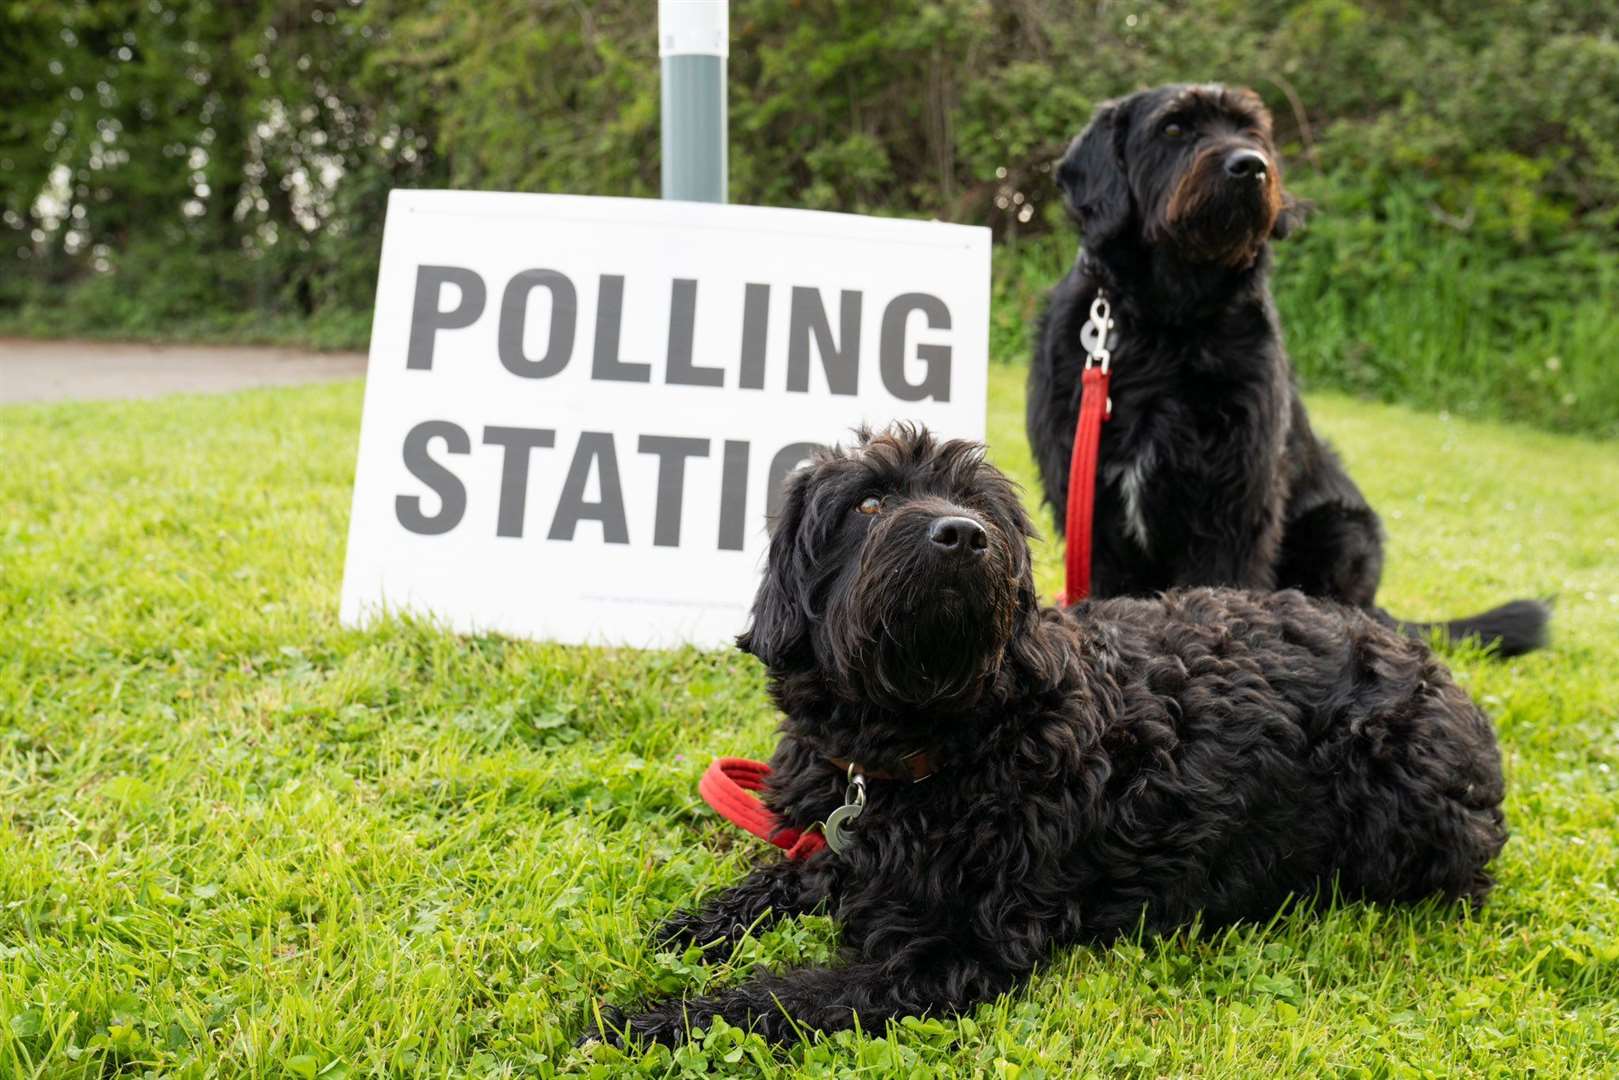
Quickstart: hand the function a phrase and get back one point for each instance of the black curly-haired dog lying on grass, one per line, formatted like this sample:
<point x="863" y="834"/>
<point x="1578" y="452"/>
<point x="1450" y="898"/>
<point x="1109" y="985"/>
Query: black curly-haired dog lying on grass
<point x="1126" y="762"/>
<point x="1209" y="471"/>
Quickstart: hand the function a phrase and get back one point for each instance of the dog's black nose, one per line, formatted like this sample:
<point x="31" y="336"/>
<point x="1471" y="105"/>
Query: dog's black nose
<point x="1245" y="163"/>
<point x="958" y="534"/>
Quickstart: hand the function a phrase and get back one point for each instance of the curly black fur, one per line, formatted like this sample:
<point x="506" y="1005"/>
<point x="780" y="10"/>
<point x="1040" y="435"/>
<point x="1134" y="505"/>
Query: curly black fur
<point x="1210" y="474"/>
<point x="1126" y="762"/>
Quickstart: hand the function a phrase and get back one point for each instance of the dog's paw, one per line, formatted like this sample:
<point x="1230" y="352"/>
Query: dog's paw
<point x="679" y="929"/>
<point x="684" y="929"/>
<point x="666" y="1026"/>
<point x="607" y="1028"/>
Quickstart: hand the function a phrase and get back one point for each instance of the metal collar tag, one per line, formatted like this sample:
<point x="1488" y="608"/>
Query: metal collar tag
<point x="854" y="804"/>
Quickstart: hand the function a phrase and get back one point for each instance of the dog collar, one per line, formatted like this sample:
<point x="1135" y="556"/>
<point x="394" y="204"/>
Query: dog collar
<point x="837" y="825"/>
<point x="917" y="767"/>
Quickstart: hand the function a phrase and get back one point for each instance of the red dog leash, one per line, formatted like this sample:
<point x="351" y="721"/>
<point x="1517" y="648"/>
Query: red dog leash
<point x="727" y="787"/>
<point x="1094" y="408"/>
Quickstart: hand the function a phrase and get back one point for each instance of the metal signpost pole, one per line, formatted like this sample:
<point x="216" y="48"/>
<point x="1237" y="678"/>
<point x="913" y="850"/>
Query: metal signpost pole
<point x="693" y="42"/>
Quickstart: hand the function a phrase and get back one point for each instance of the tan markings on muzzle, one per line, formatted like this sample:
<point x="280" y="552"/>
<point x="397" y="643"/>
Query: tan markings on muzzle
<point x="1273" y="204"/>
<point x="1196" y="187"/>
<point x="1202" y="183"/>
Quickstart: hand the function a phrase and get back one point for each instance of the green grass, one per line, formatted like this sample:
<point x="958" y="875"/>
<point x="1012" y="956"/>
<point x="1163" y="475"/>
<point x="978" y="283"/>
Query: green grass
<point x="237" y="839"/>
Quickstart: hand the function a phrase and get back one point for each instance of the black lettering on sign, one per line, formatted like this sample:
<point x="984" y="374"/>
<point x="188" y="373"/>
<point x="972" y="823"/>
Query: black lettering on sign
<point x="734" y="496"/>
<point x="672" y="453"/>
<point x="595" y="455"/>
<point x="936" y="383"/>
<point x="427" y="318"/>
<point x="451" y="492"/>
<point x="682" y="328"/>
<point x="840" y="359"/>
<point x="809" y="331"/>
<point x="514" y="321"/>
<point x="514" y="471"/>
<point x="605" y="364"/>
<point x="597" y="452"/>
<point x="755" y="334"/>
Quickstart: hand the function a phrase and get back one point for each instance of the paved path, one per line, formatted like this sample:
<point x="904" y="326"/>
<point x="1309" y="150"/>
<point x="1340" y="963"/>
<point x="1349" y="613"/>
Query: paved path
<point x="103" y="371"/>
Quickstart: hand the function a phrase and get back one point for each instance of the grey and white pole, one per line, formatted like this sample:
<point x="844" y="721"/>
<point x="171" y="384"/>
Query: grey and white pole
<point x="693" y="42"/>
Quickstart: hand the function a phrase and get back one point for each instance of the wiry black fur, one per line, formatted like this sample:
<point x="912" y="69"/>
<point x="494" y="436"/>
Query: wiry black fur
<point x="1231" y="485"/>
<point x="1125" y="762"/>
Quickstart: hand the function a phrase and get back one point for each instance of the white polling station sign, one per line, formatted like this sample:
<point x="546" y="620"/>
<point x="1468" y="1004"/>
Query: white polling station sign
<point x="578" y="411"/>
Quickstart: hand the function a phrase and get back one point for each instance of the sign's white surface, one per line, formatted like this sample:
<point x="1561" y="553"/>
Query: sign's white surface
<point x="577" y="410"/>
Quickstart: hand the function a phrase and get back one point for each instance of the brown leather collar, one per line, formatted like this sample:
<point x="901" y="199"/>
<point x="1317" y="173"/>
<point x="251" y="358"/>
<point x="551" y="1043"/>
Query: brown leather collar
<point x="917" y="768"/>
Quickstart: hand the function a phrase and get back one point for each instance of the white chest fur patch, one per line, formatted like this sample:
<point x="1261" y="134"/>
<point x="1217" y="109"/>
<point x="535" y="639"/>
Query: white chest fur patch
<point x="1132" y="479"/>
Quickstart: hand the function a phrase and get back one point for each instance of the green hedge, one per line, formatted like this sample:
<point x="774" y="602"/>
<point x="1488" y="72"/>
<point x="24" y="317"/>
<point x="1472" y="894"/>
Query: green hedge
<point x="220" y="167"/>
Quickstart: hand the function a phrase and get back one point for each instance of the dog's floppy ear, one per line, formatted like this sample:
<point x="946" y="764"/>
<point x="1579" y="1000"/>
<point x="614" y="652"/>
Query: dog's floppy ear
<point x="1294" y="214"/>
<point x="1092" y="177"/>
<point x="779" y="625"/>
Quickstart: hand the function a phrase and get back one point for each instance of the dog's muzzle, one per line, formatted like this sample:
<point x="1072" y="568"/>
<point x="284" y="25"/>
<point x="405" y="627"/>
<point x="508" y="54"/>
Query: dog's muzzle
<point x="1225" y="204"/>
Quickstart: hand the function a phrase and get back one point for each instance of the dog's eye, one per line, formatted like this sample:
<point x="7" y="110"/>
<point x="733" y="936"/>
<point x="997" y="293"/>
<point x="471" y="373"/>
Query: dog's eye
<point x="871" y="504"/>
<point x="1174" y="131"/>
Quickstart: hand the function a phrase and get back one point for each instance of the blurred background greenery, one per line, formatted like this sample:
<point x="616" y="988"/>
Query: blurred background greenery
<point x="220" y="168"/>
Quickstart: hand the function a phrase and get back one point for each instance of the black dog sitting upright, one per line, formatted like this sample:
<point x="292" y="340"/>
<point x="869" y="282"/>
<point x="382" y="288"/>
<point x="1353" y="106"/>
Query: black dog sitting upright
<point x="1210" y="474"/>
<point x="1125" y="763"/>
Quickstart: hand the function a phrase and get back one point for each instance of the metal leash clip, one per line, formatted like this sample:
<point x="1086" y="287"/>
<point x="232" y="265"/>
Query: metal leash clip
<point x="854" y="804"/>
<point x="1097" y="332"/>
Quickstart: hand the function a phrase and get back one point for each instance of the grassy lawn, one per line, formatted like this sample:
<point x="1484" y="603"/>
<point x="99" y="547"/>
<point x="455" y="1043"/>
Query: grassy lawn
<point x="237" y="839"/>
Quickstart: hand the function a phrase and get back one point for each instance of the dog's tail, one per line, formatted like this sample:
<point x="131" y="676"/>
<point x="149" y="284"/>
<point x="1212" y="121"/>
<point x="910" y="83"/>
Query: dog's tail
<point x="1513" y="628"/>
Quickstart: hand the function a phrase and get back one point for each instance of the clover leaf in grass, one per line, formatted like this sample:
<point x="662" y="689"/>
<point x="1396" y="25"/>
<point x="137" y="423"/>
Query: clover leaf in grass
<point x="28" y="1023"/>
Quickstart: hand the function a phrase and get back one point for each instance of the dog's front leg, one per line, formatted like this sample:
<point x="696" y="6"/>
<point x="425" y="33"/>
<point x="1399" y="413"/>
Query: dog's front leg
<point x="777" y="890"/>
<point x="782" y="1007"/>
<point x="1241" y="556"/>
